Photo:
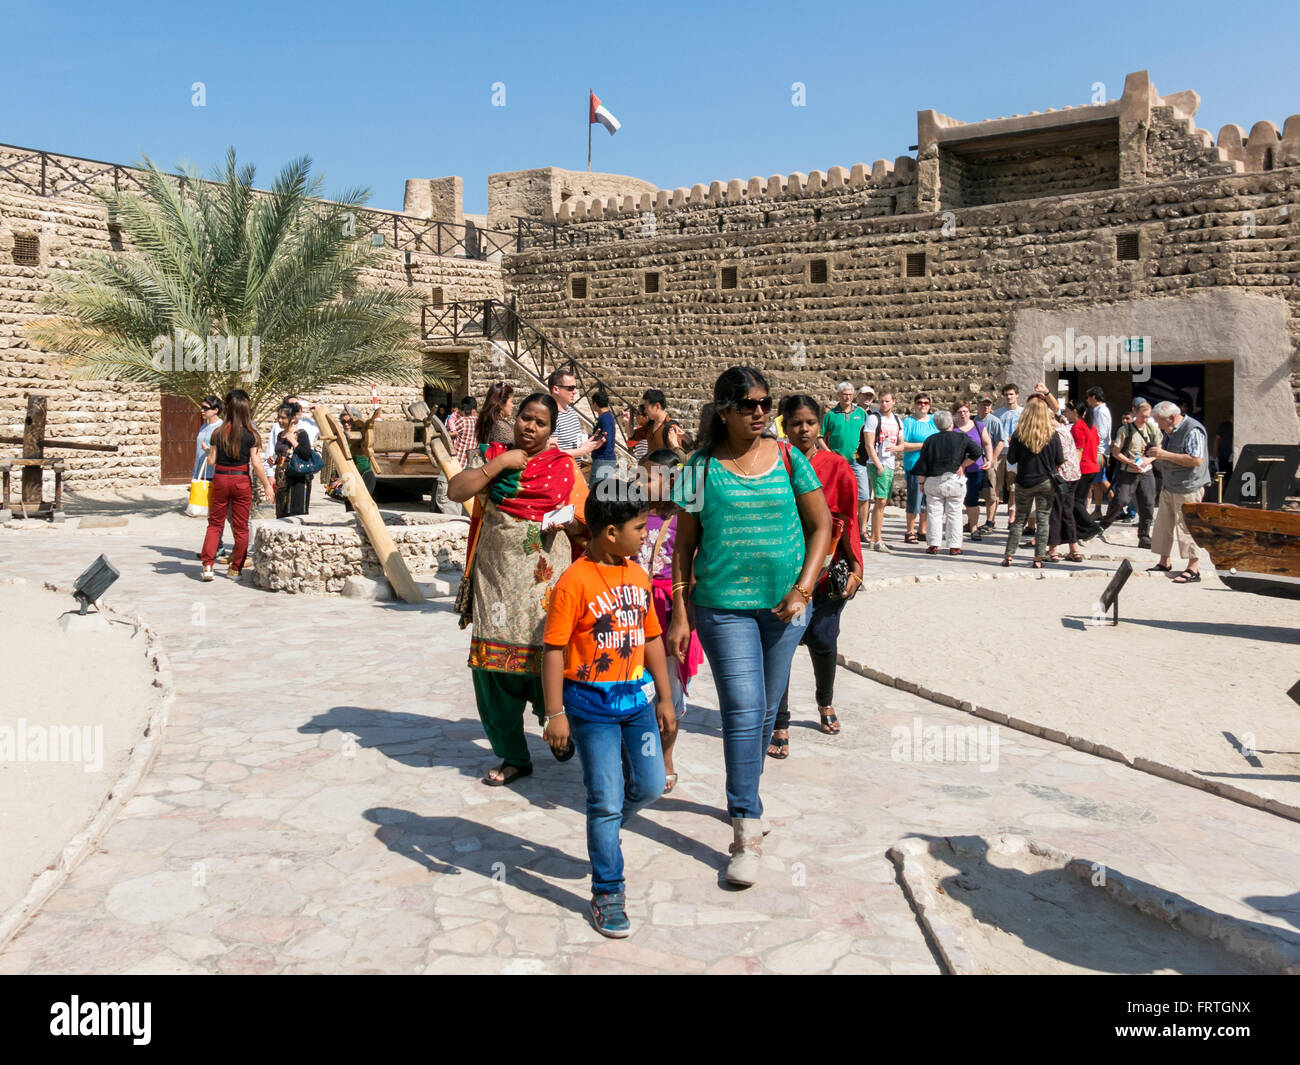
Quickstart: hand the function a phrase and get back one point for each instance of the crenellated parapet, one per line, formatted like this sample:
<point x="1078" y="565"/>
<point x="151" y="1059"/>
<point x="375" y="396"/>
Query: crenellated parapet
<point x="769" y="191"/>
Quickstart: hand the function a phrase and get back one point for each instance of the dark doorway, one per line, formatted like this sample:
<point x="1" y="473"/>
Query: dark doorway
<point x="1205" y="388"/>
<point x="180" y="432"/>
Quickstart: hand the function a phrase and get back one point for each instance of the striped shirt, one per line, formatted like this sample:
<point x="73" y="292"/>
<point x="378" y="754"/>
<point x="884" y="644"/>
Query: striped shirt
<point x="751" y="539"/>
<point x="568" y="432"/>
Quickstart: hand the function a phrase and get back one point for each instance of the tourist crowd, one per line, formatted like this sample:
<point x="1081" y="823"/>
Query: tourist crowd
<point x="594" y="592"/>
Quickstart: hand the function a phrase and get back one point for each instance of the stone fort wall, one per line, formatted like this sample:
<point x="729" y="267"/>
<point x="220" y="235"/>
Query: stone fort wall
<point x="916" y="301"/>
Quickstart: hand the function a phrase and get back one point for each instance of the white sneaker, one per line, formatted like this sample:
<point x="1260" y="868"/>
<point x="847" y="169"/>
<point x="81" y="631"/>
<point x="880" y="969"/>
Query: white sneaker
<point x="208" y="575"/>
<point x="880" y="545"/>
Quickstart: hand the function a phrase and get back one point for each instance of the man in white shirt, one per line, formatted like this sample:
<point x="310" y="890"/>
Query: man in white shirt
<point x="1101" y="421"/>
<point x="880" y="437"/>
<point x="567" y="434"/>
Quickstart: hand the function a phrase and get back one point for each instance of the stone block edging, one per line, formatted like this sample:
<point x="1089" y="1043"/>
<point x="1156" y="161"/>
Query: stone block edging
<point x="1145" y="765"/>
<point x="143" y="752"/>
<point x="1279" y="952"/>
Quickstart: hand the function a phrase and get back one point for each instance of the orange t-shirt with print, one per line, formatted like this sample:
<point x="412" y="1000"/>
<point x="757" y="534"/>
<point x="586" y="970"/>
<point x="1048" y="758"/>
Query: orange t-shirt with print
<point x="602" y="616"/>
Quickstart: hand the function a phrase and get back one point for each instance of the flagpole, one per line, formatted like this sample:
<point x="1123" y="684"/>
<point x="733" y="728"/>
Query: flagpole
<point x="590" y="93"/>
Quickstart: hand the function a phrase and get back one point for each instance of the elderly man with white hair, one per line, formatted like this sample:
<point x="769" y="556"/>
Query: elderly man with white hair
<point x="945" y="457"/>
<point x="1183" y="460"/>
<point x="841" y="430"/>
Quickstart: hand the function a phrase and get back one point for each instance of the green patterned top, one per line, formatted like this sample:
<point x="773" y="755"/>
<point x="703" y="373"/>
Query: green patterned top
<point x="751" y="539"/>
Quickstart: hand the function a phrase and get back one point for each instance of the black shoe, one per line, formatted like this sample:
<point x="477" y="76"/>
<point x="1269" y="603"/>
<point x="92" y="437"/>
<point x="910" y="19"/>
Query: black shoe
<point x="1144" y="545"/>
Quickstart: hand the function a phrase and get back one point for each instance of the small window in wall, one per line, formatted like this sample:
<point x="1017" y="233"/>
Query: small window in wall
<point x="722" y="223"/>
<point x="652" y="281"/>
<point x="818" y="271"/>
<point x="730" y="277"/>
<point x="578" y="288"/>
<point x="1268" y="158"/>
<point x="914" y="266"/>
<point x="436" y="297"/>
<point x="1126" y="246"/>
<point x="817" y="214"/>
<point x="114" y="236"/>
<point x="27" y="251"/>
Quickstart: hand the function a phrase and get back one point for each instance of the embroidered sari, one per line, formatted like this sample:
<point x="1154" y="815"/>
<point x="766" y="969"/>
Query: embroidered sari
<point x="512" y="564"/>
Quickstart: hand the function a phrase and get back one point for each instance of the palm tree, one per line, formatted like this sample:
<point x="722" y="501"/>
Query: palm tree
<point x="221" y="259"/>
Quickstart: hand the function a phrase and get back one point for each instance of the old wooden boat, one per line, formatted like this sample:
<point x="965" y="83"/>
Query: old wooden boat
<point x="1253" y="550"/>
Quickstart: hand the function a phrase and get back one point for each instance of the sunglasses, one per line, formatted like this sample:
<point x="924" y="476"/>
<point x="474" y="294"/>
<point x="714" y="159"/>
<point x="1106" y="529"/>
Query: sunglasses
<point x="749" y="406"/>
<point x="922" y="402"/>
<point x="567" y="388"/>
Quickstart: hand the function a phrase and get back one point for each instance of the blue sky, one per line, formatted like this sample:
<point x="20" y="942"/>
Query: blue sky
<point x="386" y="91"/>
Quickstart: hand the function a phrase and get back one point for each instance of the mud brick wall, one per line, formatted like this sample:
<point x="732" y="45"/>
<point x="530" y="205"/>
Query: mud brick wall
<point x="947" y="331"/>
<point x="71" y="223"/>
<point x="1029" y="172"/>
<point x="1176" y="149"/>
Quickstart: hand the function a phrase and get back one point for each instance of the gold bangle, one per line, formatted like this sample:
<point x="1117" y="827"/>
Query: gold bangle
<point x="680" y="584"/>
<point x="807" y="596"/>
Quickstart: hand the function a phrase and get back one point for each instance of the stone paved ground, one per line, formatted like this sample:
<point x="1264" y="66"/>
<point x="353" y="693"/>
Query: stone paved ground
<point x="266" y="839"/>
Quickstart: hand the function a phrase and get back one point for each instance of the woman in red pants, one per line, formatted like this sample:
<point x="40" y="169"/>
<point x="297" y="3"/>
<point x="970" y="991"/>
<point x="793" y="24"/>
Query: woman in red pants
<point x="229" y="451"/>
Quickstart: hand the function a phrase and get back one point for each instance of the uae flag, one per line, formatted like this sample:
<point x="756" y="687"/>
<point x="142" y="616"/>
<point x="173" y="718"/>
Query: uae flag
<point x="601" y="115"/>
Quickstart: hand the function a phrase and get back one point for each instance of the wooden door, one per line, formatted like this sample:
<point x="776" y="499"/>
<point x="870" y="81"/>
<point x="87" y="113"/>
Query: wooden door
<point x="180" y="431"/>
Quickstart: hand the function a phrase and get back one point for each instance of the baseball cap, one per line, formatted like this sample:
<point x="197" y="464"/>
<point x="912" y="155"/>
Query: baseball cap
<point x="866" y="390"/>
<point x="986" y="399"/>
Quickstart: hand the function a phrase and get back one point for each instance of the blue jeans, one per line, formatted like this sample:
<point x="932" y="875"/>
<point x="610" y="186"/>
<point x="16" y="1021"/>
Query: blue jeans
<point x="749" y="653"/>
<point x="915" y="497"/>
<point x="623" y="769"/>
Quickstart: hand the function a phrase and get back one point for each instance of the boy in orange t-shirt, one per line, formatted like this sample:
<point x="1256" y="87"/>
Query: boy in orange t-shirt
<point x="602" y="634"/>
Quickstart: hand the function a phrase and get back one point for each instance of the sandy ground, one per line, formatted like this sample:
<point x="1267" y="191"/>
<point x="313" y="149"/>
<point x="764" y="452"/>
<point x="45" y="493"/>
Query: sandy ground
<point x="1189" y="677"/>
<point x="99" y="683"/>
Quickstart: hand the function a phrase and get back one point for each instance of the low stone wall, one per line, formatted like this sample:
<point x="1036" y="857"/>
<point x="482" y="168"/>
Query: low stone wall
<point x="317" y="559"/>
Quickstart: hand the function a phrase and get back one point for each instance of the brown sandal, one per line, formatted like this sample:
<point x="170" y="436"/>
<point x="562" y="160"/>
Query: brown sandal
<point x="830" y="723"/>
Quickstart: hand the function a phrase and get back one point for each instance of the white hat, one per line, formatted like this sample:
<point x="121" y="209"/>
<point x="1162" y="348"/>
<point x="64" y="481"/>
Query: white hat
<point x="866" y="389"/>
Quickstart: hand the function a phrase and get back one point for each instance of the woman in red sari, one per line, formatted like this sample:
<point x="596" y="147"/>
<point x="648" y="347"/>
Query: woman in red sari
<point x="801" y="417"/>
<point x="518" y="548"/>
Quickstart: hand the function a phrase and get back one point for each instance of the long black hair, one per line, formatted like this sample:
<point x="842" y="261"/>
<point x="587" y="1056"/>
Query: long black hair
<point x="790" y="404"/>
<point x="732" y="385"/>
<point x="239" y="418"/>
<point x="497" y="397"/>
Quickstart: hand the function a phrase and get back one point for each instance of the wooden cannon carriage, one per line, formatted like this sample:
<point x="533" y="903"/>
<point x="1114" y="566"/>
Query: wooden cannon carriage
<point x="33" y="463"/>
<point x="406" y="455"/>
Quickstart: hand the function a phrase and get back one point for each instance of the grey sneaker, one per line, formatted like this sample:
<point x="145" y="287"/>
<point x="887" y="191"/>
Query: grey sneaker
<point x="880" y="545"/>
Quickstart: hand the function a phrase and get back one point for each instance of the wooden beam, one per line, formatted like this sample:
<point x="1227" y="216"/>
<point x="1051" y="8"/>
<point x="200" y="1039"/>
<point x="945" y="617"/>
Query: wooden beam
<point x="76" y="445"/>
<point x="372" y="522"/>
<point x="33" y="448"/>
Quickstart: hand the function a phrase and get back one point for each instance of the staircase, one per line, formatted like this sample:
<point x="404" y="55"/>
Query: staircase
<point x="518" y="344"/>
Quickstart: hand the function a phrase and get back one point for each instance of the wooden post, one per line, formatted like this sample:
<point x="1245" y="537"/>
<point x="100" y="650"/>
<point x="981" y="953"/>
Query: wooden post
<point x="33" y="448"/>
<point x="367" y="513"/>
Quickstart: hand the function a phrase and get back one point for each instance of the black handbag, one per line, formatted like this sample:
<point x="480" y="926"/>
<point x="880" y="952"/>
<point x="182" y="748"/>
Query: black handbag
<point x="837" y="579"/>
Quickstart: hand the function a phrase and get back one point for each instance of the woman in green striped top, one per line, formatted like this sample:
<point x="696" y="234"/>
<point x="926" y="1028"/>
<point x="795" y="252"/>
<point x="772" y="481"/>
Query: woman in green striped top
<point x="751" y="539"/>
